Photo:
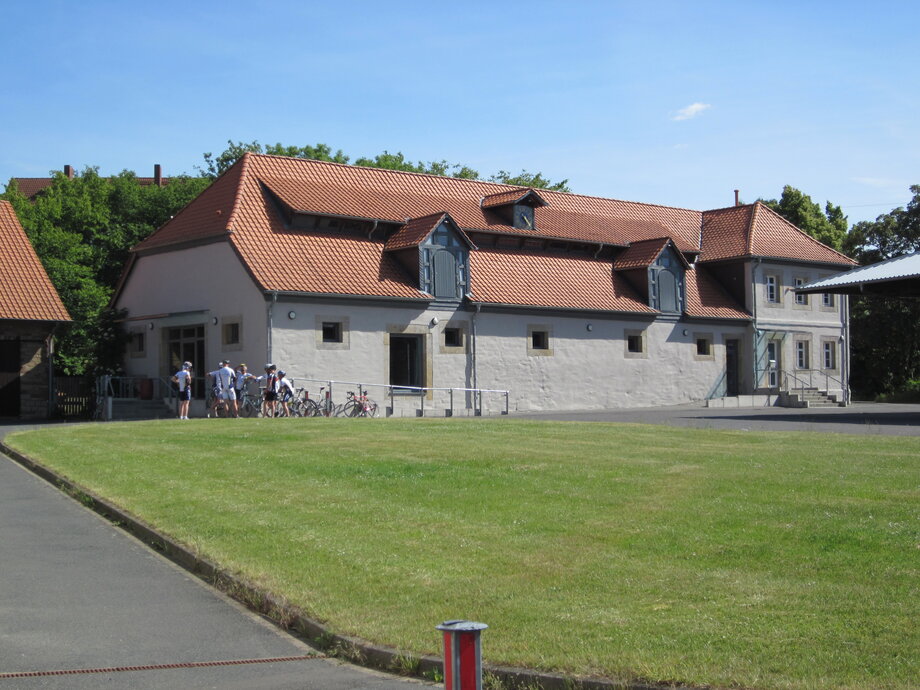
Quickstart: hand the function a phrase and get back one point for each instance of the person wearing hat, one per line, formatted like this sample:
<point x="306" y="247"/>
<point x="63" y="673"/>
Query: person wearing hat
<point x="183" y="378"/>
<point x="224" y="390"/>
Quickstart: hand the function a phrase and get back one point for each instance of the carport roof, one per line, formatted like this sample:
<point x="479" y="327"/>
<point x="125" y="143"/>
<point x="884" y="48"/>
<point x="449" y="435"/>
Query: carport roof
<point x="897" y="277"/>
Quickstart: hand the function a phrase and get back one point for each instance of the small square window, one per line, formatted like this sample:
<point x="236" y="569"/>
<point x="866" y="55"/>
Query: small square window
<point x="332" y="331"/>
<point x="703" y="347"/>
<point x="453" y="337"/>
<point x="231" y="333"/>
<point x="539" y="340"/>
<point x="634" y="343"/>
<point x="827" y="299"/>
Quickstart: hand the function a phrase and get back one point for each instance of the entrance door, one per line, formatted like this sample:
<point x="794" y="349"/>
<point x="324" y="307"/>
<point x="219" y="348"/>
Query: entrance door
<point x="406" y="360"/>
<point x="9" y="378"/>
<point x="186" y="344"/>
<point x="732" y="368"/>
<point x="773" y="363"/>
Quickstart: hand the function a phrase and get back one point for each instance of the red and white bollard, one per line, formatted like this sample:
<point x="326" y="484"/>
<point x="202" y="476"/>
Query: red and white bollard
<point x="462" y="655"/>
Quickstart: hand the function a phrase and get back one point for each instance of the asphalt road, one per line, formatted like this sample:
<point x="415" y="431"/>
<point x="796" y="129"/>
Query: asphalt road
<point x="858" y="418"/>
<point x="77" y="593"/>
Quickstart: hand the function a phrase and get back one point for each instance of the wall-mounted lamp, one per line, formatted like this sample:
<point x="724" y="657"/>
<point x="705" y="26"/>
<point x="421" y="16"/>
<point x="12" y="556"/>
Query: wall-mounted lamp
<point x="214" y="320"/>
<point x="150" y="325"/>
<point x="434" y="321"/>
<point x="292" y="315"/>
<point x="590" y="327"/>
<point x="685" y="331"/>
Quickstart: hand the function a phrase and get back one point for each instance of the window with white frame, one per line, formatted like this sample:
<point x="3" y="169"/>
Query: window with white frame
<point x="771" y="283"/>
<point x="801" y="299"/>
<point x="801" y="354"/>
<point x="829" y="351"/>
<point x="827" y="300"/>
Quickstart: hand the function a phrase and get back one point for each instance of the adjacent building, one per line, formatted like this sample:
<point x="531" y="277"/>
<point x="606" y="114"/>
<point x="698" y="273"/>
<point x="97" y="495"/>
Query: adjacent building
<point x="409" y="281"/>
<point x="30" y="310"/>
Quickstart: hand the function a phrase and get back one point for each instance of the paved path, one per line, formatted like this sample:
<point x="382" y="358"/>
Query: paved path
<point x="858" y="418"/>
<point x="79" y="593"/>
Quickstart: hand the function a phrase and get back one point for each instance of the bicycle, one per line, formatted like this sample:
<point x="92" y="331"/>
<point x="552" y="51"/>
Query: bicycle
<point x="250" y="405"/>
<point x="302" y="405"/>
<point x="221" y="410"/>
<point x="357" y="406"/>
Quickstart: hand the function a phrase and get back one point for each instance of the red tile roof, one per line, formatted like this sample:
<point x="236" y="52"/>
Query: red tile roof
<point x="242" y="206"/>
<point x="26" y="293"/>
<point x="512" y="197"/>
<point x="757" y="230"/>
<point x="640" y="254"/>
<point x="546" y="280"/>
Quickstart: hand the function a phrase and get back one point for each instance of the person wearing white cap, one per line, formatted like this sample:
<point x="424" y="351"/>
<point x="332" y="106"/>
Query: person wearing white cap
<point x="224" y="389"/>
<point x="183" y="378"/>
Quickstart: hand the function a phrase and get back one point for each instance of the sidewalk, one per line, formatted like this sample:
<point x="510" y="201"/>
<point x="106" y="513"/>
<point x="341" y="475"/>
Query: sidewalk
<point x="78" y="593"/>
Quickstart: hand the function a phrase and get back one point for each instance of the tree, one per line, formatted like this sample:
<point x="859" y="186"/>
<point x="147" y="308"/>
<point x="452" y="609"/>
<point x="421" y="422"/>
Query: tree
<point x="526" y="179"/>
<point x="82" y="230"/>
<point x="828" y="226"/>
<point x="886" y="332"/>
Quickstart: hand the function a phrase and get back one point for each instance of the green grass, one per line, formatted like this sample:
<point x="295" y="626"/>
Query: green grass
<point x="781" y="560"/>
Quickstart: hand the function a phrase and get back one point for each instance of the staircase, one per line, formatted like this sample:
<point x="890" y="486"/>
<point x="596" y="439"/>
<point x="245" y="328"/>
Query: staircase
<point x="124" y="409"/>
<point x="808" y="397"/>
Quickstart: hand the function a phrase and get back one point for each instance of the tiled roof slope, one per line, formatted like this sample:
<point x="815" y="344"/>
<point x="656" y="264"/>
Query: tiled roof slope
<point x="526" y="279"/>
<point x="640" y="254"/>
<point x="26" y="292"/>
<point x="417" y="230"/>
<point x="511" y="197"/>
<point x="757" y="230"/>
<point x="706" y="298"/>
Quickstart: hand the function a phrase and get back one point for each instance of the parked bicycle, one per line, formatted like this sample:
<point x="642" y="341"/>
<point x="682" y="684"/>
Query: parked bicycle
<point x="357" y="406"/>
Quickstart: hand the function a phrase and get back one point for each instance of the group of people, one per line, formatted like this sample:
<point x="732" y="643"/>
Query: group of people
<point x="229" y="387"/>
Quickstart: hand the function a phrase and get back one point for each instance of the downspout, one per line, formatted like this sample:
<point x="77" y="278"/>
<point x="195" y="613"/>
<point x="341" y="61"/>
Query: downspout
<point x="478" y="306"/>
<point x="845" y="365"/>
<point x="756" y="358"/>
<point x="271" y="304"/>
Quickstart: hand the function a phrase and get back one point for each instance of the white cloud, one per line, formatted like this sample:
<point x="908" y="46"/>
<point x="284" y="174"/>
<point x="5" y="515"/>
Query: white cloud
<point x="691" y="110"/>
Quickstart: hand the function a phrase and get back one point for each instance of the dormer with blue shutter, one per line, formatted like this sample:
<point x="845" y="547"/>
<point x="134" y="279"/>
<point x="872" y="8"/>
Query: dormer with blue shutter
<point x="435" y="251"/>
<point x="657" y="270"/>
<point x="516" y="207"/>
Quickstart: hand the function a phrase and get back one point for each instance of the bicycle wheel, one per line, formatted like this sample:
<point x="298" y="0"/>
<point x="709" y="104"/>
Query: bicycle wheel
<point x="248" y="408"/>
<point x="371" y="409"/>
<point x="311" y="408"/>
<point x="349" y="409"/>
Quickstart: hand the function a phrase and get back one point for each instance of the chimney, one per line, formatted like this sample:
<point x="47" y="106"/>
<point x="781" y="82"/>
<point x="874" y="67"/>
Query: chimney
<point x="157" y="175"/>
<point x="68" y="171"/>
<point x="737" y="200"/>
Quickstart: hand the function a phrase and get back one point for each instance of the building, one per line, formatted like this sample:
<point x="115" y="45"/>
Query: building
<point x="30" y="310"/>
<point x="31" y="187"/>
<point x="355" y="274"/>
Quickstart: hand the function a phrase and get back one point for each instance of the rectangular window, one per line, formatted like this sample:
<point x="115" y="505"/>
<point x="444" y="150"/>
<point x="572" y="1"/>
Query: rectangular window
<point x="453" y="337"/>
<point x="800" y="299"/>
<point x="332" y="331"/>
<point x="634" y="343"/>
<point x="231" y="333"/>
<point x="830" y="355"/>
<point x="827" y="299"/>
<point x="703" y="347"/>
<point x="772" y="285"/>
<point x="539" y="340"/>
<point x="801" y="354"/>
<point x="138" y="345"/>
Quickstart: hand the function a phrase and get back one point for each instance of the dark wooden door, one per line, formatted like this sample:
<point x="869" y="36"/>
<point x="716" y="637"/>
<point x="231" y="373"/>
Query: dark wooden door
<point x="9" y="378"/>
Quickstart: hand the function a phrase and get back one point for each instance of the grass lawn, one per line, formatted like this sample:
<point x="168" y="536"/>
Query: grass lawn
<point x="781" y="560"/>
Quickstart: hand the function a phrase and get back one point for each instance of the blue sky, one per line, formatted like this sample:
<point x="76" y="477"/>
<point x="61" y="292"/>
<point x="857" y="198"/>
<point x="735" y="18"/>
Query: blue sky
<point x="675" y="103"/>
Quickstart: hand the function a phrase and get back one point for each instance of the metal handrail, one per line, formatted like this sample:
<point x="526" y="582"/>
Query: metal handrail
<point x="392" y="391"/>
<point x="786" y="375"/>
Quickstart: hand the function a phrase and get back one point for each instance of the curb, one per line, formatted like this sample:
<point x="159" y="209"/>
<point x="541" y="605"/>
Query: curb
<point x="291" y="619"/>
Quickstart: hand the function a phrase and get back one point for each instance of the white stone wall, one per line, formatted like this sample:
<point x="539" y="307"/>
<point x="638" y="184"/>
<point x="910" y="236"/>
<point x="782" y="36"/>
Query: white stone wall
<point x="581" y="369"/>
<point x="789" y="322"/>
<point x="193" y="287"/>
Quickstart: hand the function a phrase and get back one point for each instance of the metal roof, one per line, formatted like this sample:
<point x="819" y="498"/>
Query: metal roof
<point x="895" y="277"/>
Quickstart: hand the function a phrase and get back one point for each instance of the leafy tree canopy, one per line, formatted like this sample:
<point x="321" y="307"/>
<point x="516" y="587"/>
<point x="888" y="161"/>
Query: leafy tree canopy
<point x="889" y="235"/>
<point x="215" y="165"/>
<point x="82" y="230"/>
<point x="828" y="226"/>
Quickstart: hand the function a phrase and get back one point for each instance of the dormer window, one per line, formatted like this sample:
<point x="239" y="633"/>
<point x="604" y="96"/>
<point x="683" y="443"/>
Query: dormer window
<point x="666" y="283"/>
<point x="515" y="207"/>
<point x="435" y="249"/>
